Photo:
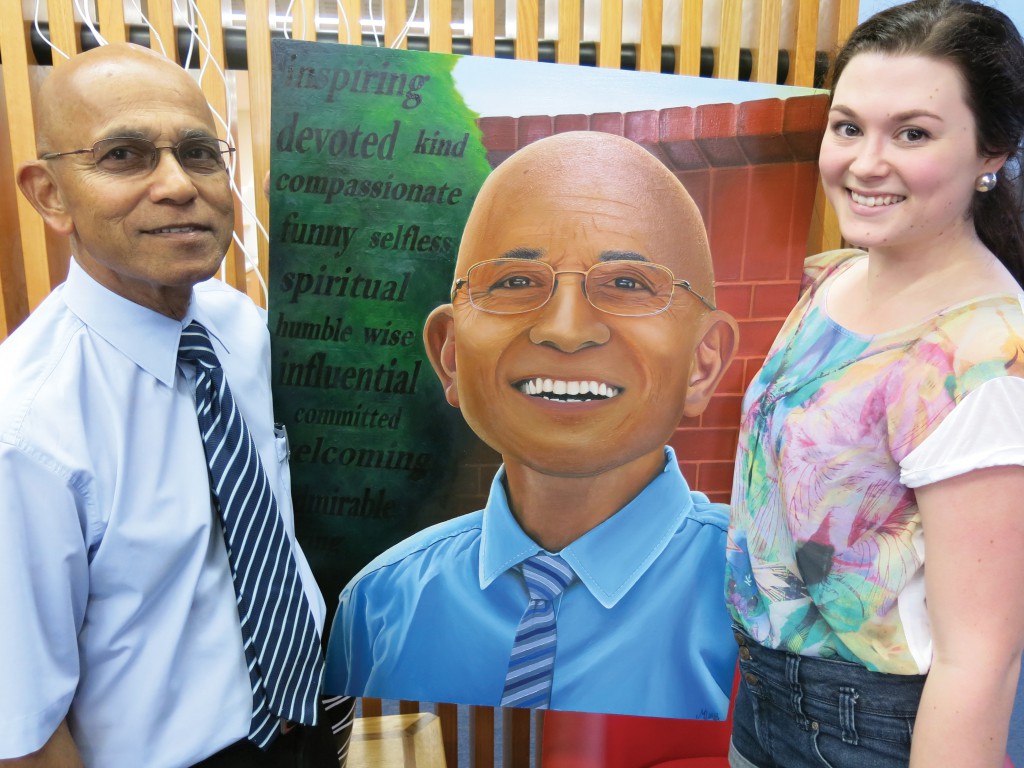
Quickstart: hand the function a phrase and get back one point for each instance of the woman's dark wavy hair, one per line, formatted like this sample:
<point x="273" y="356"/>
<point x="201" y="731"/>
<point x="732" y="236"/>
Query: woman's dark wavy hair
<point x="985" y="46"/>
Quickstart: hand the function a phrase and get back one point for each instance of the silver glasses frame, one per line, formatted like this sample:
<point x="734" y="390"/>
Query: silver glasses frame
<point x="225" y="149"/>
<point x="459" y="282"/>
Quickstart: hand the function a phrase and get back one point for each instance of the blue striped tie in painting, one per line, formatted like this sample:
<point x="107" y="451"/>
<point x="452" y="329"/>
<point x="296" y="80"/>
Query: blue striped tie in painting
<point x="282" y="645"/>
<point x="532" y="664"/>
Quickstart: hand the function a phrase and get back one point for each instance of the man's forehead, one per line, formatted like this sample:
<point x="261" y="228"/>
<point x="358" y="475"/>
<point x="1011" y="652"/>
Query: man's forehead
<point x="138" y="112"/>
<point x="598" y="224"/>
<point x="600" y="194"/>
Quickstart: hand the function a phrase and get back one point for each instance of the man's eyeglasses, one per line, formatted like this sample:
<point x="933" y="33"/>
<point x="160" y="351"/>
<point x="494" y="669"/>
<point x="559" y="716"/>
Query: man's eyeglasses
<point x="626" y="288"/>
<point x="124" y="156"/>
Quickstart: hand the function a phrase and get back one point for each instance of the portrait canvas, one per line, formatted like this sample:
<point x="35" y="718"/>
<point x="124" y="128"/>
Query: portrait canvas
<point x="377" y="159"/>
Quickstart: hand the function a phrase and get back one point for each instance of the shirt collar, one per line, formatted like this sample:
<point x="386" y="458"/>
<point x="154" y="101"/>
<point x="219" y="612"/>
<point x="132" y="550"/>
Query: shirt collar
<point x="147" y="338"/>
<point x="609" y="559"/>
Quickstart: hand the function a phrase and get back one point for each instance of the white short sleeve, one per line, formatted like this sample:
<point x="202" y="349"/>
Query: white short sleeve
<point x="986" y="429"/>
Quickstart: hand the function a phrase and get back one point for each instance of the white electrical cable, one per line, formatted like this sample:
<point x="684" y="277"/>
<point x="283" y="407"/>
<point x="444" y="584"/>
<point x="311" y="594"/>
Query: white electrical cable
<point x="35" y="23"/>
<point x="373" y="22"/>
<point x="343" y="19"/>
<point x="190" y="23"/>
<point x="408" y="23"/>
<point x="286" y="18"/>
<point x="83" y="11"/>
<point x="204" y="41"/>
<point x="153" y="34"/>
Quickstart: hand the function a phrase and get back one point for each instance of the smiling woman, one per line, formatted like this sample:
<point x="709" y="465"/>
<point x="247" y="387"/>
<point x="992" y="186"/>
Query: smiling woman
<point x="887" y="415"/>
<point x="899" y="180"/>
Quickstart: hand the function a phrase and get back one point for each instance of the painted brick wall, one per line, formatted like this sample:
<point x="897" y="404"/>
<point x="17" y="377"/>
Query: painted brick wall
<point x="752" y="170"/>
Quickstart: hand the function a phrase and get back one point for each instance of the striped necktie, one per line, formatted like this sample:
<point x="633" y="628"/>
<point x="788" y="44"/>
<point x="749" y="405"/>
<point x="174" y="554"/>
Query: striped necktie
<point x="532" y="664"/>
<point x="282" y="645"/>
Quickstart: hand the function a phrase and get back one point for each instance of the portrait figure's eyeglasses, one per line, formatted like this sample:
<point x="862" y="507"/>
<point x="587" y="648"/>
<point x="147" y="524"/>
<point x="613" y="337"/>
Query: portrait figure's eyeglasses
<point x="123" y="156"/>
<point x="621" y="287"/>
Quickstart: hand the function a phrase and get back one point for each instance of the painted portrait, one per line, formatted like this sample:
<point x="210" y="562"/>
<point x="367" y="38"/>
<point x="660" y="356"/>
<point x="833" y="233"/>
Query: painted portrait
<point x="508" y="328"/>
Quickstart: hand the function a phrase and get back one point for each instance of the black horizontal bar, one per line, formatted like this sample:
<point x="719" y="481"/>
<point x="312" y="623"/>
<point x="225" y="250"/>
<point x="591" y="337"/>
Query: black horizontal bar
<point x="504" y="48"/>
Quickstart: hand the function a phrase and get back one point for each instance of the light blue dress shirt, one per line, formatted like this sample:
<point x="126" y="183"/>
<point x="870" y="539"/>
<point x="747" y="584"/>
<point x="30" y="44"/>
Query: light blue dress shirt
<point x="643" y="631"/>
<point x="118" y="605"/>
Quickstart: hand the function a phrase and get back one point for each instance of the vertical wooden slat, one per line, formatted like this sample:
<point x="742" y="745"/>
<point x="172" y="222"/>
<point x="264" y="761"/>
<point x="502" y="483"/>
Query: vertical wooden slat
<point x="766" y="55"/>
<point x="440" y="36"/>
<point x="396" y="13"/>
<point x="18" y="101"/>
<point x="727" y="54"/>
<point x="62" y="30"/>
<point x="538" y="735"/>
<point x="304" y="20"/>
<point x="161" y="15"/>
<point x="515" y="736"/>
<point x="212" y="35"/>
<point x="406" y="707"/>
<point x="825" y="234"/>
<point x="609" y="47"/>
<point x="483" y="27"/>
<point x="846" y="20"/>
<point x="213" y="66"/>
<point x="688" y="60"/>
<point x="527" y="29"/>
<point x="349" y="29"/>
<point x="567" y="49"/>
<point x="651" y="16"/>
<point x="257" y="46"/>
<point x="449" y="716"/>
<point x="801" y="71"/>
<point x="110" y="15"/>
<point x="13" y="306"/>
<point x="481" y="728"/>
<point x="371" y="707"/>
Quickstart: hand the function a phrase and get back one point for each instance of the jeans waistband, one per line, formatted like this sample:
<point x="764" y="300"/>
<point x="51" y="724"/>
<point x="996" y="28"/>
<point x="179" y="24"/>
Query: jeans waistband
<point x="827" y="679"/>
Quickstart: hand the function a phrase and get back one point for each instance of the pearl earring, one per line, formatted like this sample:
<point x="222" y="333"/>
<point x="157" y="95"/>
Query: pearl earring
<point x="986" y="182"/>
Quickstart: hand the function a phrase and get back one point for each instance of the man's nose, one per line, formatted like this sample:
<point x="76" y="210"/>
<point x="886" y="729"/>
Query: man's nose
<point x="569" y="322"/>
<point x="169" y="180"/>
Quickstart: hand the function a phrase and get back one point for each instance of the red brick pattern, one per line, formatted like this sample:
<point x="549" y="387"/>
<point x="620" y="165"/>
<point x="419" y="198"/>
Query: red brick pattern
<point x="751" y="169"/>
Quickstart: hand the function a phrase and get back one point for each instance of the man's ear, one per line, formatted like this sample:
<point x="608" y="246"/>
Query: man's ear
<point x="41" y="189"/>
<point x="715" y="349"/>
<point x="439" y="340"/>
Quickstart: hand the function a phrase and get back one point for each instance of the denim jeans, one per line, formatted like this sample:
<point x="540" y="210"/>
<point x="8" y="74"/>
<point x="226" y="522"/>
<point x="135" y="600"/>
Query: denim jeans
<point x="797" y="711"/>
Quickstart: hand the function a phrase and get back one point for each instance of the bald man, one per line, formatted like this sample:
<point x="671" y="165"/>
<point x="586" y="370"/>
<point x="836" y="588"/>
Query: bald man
<point x="581" y="329"/>
<point x="123" y="645"/>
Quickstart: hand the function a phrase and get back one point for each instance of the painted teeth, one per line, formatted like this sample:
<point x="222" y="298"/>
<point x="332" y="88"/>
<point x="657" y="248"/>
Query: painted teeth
<point x="558" y="389"/>
<point x="875" y="202"/>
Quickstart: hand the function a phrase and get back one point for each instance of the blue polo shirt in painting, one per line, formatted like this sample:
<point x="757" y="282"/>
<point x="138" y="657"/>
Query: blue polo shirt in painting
<point x="642" y="631"/>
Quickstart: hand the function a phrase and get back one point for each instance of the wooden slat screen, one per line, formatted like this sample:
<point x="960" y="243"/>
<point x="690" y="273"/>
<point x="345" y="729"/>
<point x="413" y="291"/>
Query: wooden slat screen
<point x="32" y="262"/>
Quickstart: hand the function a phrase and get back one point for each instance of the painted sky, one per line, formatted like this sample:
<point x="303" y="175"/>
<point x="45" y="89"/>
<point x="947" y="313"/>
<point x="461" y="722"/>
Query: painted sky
<point x="516" y="88"/>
